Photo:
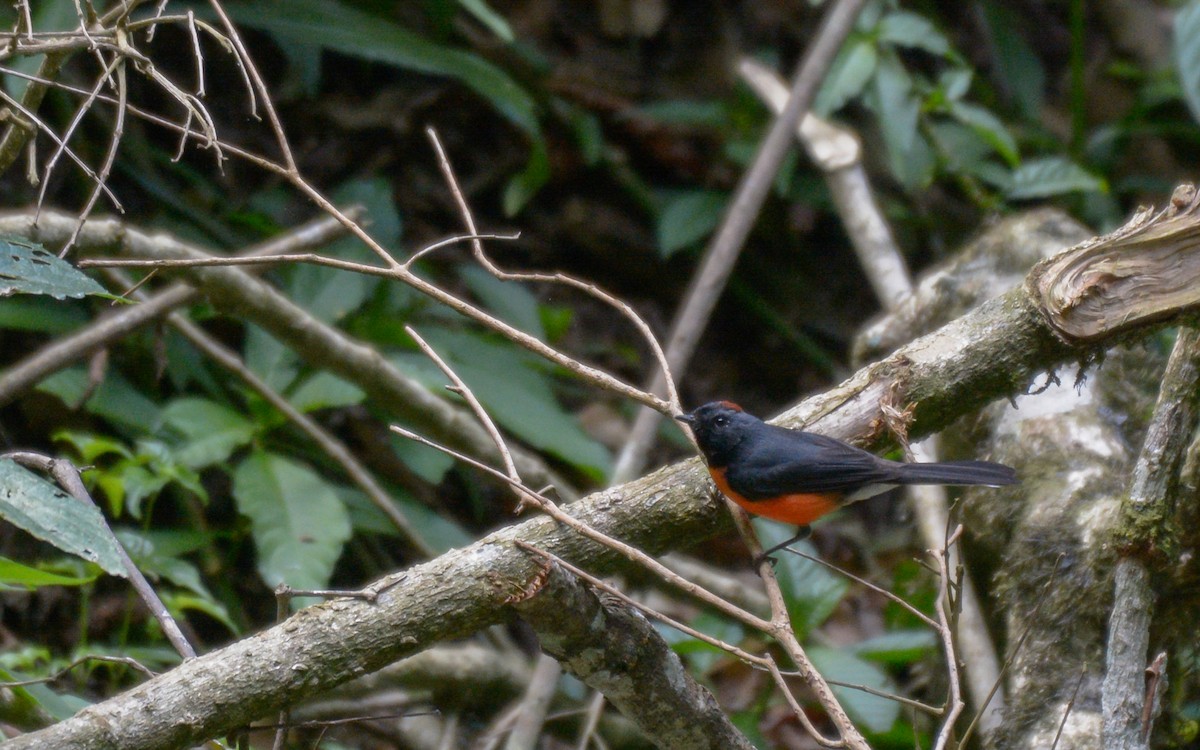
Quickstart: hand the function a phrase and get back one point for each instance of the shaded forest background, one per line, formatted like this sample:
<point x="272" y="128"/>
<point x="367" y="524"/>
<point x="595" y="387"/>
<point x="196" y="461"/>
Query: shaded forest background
<point x="610" y="135"/>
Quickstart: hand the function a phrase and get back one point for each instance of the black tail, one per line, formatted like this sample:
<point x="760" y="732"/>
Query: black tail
<point x="957" y="473"/>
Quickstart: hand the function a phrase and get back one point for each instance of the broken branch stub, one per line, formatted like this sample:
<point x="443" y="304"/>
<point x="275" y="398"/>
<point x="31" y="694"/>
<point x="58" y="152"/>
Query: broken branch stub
<point x="1147" y="270"/>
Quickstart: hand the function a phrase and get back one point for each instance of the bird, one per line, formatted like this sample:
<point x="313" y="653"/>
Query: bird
<point x="796" y="477"/>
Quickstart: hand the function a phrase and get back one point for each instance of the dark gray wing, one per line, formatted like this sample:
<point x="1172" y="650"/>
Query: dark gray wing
<point x="782" y="462"/>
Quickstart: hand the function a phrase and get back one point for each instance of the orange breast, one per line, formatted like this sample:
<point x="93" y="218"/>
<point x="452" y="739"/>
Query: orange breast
<point x="801" y="508"/>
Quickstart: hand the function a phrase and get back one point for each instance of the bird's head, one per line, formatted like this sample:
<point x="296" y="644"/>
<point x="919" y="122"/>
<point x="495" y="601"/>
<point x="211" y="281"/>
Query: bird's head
<point x="719" y="427"/>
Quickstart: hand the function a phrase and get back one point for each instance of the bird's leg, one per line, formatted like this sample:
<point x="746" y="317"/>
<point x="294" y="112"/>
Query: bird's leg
<point x="802" y="533"/>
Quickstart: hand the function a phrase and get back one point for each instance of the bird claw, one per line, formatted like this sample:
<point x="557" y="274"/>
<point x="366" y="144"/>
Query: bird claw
<point x="802" y="533"/>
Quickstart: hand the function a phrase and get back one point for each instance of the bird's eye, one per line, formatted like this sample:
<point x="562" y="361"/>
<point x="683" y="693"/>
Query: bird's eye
<point x="721" y="421"/>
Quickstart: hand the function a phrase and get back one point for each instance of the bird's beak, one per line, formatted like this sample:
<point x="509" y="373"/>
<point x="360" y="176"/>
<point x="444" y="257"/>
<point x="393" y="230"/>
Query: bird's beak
<point x="687" y="419"/>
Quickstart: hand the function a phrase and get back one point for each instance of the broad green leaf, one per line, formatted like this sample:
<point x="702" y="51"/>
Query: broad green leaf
<point x="897" y="110"/>
<point x="212" y="431"/>
<point x="91" y="447"/>
<point x="852" y="68"/>
<point x="688" y="218"/>
<point x="329" y="294"/>
<point x="510" y="301"/>
<point x="701" y="655"/>
<point x="298" y="522"/>
<point x="115" y="398"/>
<point x="303" y="74"/>
<point x="1014" y="62"/>
<point x="342" y="27"/>
<point x="179" y="602"/>
<point x="427" y="463"/>
<point x="961" y="146"/>
<point x="1053" y="175"/>
<point x="438" y="532"/>
<point x="989" y="127"/>
<point x="955" y="83"/>
<point x="28" y="268"/>
<point x="28" y="698"/>
<point x="325" y="390"/>
<point x="15" y="575"/>
<point x="269" y="359"/>
<point x="871" y="711"/>
<point x="908" y="29"/>
<point x="897" y="646"/>
<point x="154" y="563"/>
<point x="48" y="513"/>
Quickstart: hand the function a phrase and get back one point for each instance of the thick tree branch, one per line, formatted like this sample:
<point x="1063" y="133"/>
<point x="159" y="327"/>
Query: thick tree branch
<point x="615" y="650"/>
<point x="1128" y="706"/>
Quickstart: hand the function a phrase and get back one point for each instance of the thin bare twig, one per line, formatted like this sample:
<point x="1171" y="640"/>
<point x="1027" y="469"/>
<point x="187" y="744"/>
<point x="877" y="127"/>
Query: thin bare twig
<point x="128" y="661"/>
<point x="555" y="278"/>
<point x="943" y="606"/>
<point x="113" y="144"/>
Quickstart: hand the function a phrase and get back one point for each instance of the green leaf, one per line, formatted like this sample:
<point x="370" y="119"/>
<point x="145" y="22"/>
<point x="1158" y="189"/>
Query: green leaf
<point x="427" y="463"/>
<point x="908" y="29"/>
<point x="510" y="301"/>
<point x="489" y="18"/>
<point x="156" y="553"/>
<point x="15" y="575"/>
<point x="115" y="398"/>
<point x="852" y="68"/>
<point x="298" y="522"/>
<point x="92" y="447"/>
<point x="589" y="135"/>
<point x="48" y="513"/>
<point x="39" y="314"/>
<point x="514" y="388"/>
<point x="179" y="603"/>
<point x="325" y="391"/>
<point x="341" y="27"/>
<point x="28" y="268"/>
<point x="1014" y="62"/>
<point x="688" y="218"/>
<point x="955" y="83"/>
<point x="1054" y="175"/>
<point x="212" y="431"/>
<point x="897" y="110"/>
<point x="26" y="699"/>
<point x="962" y="147"/>
<point x="897" y="647"/>
<point x="875" y="713"/>
<point x="811" y="591"/>
<point x="438" y="532"/>
<point x="329" y="294"/>
<point x="524" y="185"/>
<point x="989" y="127"/>
<point x="269" y="359"/>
